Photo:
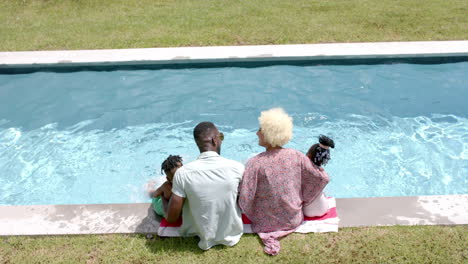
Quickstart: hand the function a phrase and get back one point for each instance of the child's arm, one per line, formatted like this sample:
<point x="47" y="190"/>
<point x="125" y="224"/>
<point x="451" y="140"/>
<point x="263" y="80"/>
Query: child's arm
<point x="165" y="190"/>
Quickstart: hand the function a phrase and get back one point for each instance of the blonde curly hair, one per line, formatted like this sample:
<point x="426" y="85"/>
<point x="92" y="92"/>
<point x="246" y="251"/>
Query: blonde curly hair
<point x="276" y="126"/>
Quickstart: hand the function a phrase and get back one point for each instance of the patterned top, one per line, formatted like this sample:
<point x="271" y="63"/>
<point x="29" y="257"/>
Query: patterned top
<point x="275" y="186"/>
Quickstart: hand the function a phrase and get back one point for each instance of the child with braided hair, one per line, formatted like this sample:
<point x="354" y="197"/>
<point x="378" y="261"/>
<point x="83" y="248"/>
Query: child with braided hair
<point x="169" y="166"/>
<point x="319" y="154"/>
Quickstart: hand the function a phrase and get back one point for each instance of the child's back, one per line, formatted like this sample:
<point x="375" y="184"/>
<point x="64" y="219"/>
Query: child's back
<point x="319" y="154"/>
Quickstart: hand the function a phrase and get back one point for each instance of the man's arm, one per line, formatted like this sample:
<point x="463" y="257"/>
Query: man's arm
<point x="173" y="207"/>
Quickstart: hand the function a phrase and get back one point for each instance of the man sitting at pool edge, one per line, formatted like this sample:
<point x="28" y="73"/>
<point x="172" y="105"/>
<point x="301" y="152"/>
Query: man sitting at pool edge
<point x="210" y="185"/>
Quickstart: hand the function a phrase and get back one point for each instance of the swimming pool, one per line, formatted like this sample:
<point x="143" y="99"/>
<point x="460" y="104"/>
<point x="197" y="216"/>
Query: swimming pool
<point x="98" y="136"/>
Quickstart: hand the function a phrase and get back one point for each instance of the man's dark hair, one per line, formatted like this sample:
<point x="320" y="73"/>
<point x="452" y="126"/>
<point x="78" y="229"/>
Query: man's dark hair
<point x="171" y="162"/>
<point x="202" y="129"/>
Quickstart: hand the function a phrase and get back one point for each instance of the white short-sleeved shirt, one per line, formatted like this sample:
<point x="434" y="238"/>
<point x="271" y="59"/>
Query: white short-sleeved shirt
<point x="210" y="211"/>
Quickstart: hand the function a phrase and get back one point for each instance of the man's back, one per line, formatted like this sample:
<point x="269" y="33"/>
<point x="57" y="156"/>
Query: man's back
<point x="210" y="211"/>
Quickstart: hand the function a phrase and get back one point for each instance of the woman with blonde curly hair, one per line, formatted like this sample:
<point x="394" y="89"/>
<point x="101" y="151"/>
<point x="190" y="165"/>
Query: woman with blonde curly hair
<point x="278" y="182"/>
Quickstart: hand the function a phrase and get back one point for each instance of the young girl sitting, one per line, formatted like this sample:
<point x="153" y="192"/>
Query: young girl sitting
<point x="169" y="166"/>
<point x="319" y="154"/>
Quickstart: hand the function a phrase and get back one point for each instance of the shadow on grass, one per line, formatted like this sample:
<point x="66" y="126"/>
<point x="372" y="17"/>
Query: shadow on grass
<point x="173" y="244"/>
<point x="148" y="229"/>
<point x="186" y="244"/>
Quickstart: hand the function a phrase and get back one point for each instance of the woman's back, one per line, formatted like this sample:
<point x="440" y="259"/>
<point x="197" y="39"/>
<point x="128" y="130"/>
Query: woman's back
<point x="277" y="182"/>
<point x="271" y="192"/>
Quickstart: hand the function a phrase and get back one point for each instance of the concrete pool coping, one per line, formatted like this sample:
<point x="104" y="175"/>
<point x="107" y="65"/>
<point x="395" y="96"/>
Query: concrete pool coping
<point x="140" y="218"/>
<point x="185" y="55"/>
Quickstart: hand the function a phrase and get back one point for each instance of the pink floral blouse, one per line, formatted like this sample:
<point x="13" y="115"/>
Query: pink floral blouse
<point x="275" y="186"/>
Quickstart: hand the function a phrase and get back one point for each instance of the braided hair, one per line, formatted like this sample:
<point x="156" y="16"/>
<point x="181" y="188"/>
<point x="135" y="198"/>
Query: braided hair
<point x="171" y="162"/>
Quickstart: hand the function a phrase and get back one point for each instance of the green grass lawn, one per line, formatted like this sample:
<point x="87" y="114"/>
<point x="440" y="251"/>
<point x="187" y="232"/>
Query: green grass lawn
<point x="398" y="244"/>
<point x="91" y="24"/>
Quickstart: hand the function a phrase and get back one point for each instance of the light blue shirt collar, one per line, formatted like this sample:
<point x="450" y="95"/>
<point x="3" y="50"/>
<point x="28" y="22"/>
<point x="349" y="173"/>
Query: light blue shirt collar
<point x="208" y="154"/>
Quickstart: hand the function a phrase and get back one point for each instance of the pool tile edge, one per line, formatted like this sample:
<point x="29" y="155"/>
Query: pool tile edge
<point x="183" y="55"/>
<point x="139" y="218"/>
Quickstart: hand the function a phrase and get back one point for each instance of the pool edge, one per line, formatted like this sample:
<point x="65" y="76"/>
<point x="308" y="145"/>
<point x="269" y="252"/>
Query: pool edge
<point x="220" y="54"/>
<point x="139" y="217"/>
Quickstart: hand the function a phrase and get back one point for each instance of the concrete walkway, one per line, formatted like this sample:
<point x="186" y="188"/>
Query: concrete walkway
<point x="139" y="218"/>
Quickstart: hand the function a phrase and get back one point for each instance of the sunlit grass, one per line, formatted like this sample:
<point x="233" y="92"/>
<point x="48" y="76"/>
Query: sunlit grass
<point x="398" y="244"/>
<point x="89" y="24"/>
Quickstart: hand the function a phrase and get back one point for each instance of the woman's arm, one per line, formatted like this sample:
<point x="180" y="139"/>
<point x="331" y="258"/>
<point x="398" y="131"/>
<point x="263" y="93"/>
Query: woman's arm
<point x="247" y="188"/>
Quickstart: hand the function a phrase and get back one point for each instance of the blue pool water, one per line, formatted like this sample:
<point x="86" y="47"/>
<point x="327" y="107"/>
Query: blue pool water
<point x="99" y="136"/>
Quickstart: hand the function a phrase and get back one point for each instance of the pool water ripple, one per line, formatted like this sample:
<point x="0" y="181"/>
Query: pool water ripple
<point x="98" y="137"/>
